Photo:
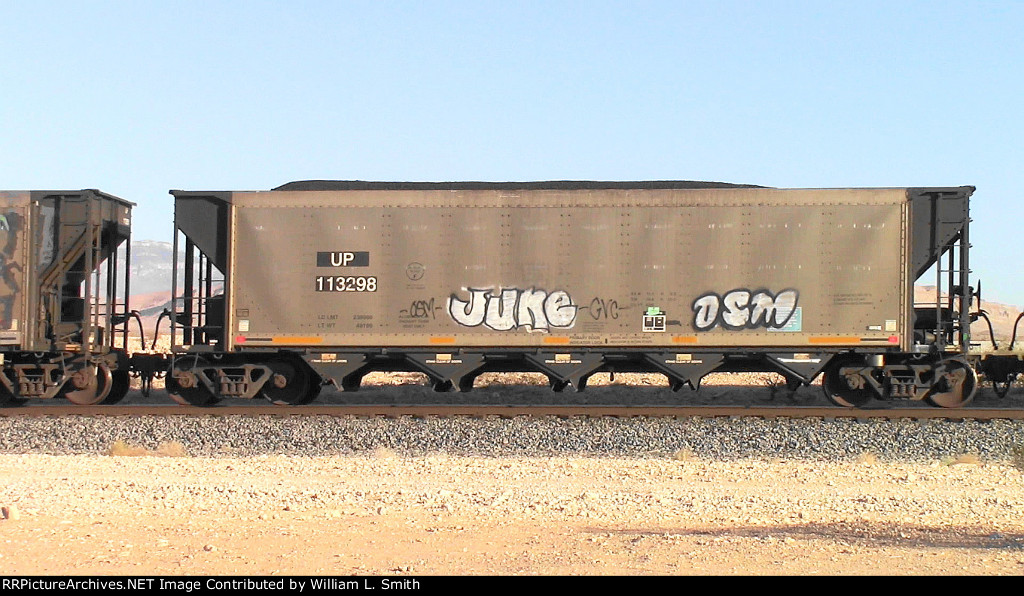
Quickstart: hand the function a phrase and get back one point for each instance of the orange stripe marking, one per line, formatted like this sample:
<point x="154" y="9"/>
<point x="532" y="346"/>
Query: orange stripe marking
<point x="297" y="340"/>
<point x="684" y="339"/>
<point x="834" y="340"/>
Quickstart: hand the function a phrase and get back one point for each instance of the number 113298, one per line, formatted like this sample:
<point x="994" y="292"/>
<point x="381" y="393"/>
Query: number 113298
<point x="346" y="283"/>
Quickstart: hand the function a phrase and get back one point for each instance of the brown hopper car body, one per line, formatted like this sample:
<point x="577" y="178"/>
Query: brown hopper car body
<point x="569" y="279"/>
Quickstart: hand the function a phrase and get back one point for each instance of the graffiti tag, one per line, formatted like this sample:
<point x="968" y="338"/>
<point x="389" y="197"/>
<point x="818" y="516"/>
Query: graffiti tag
<point x="601" y="308"/>
<point x="743" y="309"/>
<point x="420" y="309"/>
<point x="512" y="308"/>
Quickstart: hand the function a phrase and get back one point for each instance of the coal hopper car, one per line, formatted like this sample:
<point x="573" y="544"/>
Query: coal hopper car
<point x="64" y="263"/>
<point x="322" y="282"/>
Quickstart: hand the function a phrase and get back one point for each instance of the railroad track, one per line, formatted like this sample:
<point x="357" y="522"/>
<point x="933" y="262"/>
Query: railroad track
<point x="882" y="411"/>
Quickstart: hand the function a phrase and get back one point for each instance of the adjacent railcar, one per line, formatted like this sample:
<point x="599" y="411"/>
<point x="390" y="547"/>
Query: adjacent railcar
<point x="324" y="281"/>
<point x="61" y="272"/>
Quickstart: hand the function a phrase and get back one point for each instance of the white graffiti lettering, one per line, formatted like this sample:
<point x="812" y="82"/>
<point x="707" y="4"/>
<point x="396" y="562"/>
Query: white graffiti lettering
<point x="512" y="308"/>
<point x="744" y="309"/>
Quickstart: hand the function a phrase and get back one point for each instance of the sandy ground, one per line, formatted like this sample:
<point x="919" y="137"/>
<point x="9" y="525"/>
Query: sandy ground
<point x="383" y="514"/>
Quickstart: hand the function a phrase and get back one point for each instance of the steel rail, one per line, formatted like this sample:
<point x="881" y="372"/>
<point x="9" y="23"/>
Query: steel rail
<point x="511" y="411"/>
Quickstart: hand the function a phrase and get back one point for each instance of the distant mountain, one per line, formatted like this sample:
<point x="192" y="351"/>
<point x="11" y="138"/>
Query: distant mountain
<point x="1002" y="316"/>
<point x="151" y="266"/>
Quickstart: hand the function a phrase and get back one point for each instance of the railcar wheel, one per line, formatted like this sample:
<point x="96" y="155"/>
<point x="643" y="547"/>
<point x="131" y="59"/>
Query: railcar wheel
<point x="838" y="388"/>
<point x="955" y="388"/>
<point x="89" y="385"/>
<point x="314" y="390"/>
<point x="119" y="387"/>
<point x="184" y="385"/>
<point x="290" y="383"/>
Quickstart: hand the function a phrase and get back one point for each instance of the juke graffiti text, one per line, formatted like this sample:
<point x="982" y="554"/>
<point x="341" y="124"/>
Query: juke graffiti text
<point x="511" y="308"/>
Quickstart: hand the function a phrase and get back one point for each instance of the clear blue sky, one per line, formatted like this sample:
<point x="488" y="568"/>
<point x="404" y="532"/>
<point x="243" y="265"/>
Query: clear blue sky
<point x="136" y="98"/>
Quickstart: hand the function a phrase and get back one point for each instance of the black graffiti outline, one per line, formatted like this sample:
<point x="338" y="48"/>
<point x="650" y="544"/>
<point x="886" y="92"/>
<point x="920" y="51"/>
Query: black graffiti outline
<point x="421" y="309"/>
<point x="604" y="308"/>
<point x="757" y="314"/>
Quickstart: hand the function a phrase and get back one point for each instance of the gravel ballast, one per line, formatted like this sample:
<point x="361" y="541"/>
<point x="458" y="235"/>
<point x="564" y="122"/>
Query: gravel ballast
<point x="717" y="438"/>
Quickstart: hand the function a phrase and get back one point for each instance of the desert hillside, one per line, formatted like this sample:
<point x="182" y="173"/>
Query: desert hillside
<point x="1002" y="316"/>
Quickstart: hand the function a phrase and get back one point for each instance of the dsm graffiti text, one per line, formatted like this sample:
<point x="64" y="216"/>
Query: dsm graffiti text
<point x="744" y="309"/>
